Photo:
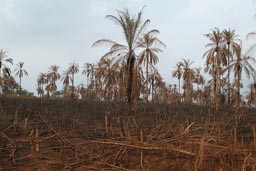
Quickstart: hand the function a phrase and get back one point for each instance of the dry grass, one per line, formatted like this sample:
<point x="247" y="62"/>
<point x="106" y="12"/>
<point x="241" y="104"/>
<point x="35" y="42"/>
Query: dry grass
<point x="81" y="136"/>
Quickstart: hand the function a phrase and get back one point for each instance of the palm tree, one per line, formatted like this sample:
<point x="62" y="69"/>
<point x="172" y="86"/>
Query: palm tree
<point x="51" y="87"/>
<point x="40" y="91"/>
<point x="188" y="75"/>
<point x="231" y="44"/>
<point x="89" y="71"/>
<point x="251" y="35"/>
<point x="151" y="45"/>
<point x="73" y="69"/>
<point x="9" y="84"/>
<point x="20" y="71"/>
<point x="106" y="72"/>
<point x="213" y="61"/>
<point x="41" y="80"/>
<point x="240" y="64"/>
<point x="53" y="76"/>
<point x="250" y="94"/>
<point x="132" y="27"/>
<point x="121" y="79"/>
<point x="86" y="71"/>
<point x="178" y="74"/>
<point x="199" y="80"/>
<point x="4" y="59"/>
<point x="66" y="80"/>
<point x="156" y="82"/>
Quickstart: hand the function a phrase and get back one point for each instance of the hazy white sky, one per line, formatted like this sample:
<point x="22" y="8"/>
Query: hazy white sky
<point x="46" y="32"/>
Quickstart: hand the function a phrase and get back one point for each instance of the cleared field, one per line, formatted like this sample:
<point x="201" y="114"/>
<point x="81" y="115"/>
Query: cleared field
<point x="77" y="135"/>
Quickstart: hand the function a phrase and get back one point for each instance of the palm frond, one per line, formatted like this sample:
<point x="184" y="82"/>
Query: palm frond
<point x="103" y="42"/>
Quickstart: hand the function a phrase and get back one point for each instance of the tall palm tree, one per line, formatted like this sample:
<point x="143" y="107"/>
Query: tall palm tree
<point x="132" y="27"/>
<point x="214" y="60"/>
<point x="122" y="82"/>
<point x="250" y="94"/>
<point x="151" y="46"/>
<point x="73" y="69"/>
<point x="156" y="82"/>
<point x="20" y="71"/>
<point x="51" y="88"/>
<point x="107" y="73"/>
<point x="231" y="44"/>
<point x="240" y="64"/>
<point x="199" y="80"/>
<point x="40" y="91"/>
<point x="53" y="76"/>
<point x="66" y="78"/>
<point x="188" y="75"/>
<point x="89" y="71"/>
<point x="86" y="71"/>
<point x="42" y="79"/>
<point x="178" y="74"/>
<point x="4" y="60"/>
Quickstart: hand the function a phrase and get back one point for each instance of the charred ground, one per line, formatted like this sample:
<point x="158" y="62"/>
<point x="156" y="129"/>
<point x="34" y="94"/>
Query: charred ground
<point x="54" y="134"/>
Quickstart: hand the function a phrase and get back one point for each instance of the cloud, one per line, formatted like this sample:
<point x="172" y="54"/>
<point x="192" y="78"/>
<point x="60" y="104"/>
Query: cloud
<point x="6" y="8"/>
<point x="202" y="8"/>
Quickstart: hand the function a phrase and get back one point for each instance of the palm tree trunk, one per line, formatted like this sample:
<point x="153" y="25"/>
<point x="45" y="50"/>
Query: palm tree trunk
<point x="147" y="80"/>
<point x="179" y="91"/>
<point x="20" y="86"/>
<point x="217" y="92"/>
<point x="109" y="92"/>
<point x="187" y="90"/>
<point x="152" y="90"/>
<point x="72" y="95"/>
<point x="238" y="90"/>
<point x="218" y="88"/>
<point x="131" y="101"/>
<point x="228" y="74"/>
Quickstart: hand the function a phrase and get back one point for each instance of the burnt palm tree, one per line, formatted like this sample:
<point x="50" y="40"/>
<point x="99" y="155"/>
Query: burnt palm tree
<point x="121" y="80"/>
<point x="66" y="78"/>
<point x="132" y="27"/>
<point x="4" y="61"/>
<point x="42" y="79"/>
<point x="53" y="75"/>
<point x="89" y="70"/>
<point x="40" y="91"/>
<point x="214" y="60"/>
<point x="86" y="71"/>
<point x="231" y="43"/>
<point x="106" y="72"/>
<point x="51" y="88"/>
<point x="73" y="69"/>
<point x="9" y="84"/>
<point x="177" y="73"/>
<point x="199" y="80"/>
<point x="240" y="64"/>
<point x="20" y="71"/>
<point x="188" y="75"/>
<point x="156" y="82"/>
<point x="250" y="94"/>
<point x="151" y="46"/>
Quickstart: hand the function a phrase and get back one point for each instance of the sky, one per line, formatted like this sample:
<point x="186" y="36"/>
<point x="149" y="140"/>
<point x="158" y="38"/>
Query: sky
<point x="41" y="33"/>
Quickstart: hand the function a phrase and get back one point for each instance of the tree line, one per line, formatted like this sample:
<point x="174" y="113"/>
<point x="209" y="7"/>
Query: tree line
<point x="128" y="72"/>
<point x="7" y="81"/>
